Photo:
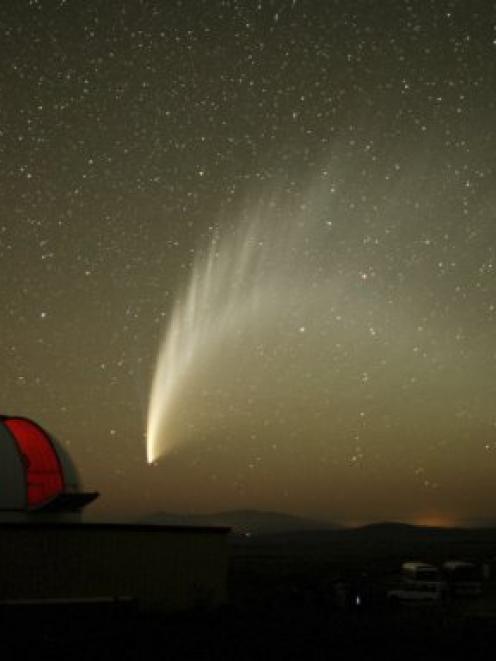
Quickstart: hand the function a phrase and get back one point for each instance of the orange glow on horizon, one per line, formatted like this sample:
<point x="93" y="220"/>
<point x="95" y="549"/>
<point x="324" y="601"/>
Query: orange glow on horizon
<point x="435" y="521"/>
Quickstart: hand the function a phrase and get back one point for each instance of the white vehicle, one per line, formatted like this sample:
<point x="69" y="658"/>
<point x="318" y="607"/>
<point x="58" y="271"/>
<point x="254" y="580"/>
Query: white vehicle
<point x="421" y="574"/>
<point x="463" y="578"/>
<point x="420" y="583"/>
<point x="409" y="593"/>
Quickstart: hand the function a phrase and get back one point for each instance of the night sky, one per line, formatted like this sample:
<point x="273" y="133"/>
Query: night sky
<point x="347" y="368"/>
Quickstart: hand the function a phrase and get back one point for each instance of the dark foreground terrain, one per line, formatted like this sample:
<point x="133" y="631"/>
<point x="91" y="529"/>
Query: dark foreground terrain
<point x="292" y="596"/>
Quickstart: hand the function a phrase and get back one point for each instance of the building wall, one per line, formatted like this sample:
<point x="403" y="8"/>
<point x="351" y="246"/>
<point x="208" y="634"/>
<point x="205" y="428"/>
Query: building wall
<point x="165" y="568"/>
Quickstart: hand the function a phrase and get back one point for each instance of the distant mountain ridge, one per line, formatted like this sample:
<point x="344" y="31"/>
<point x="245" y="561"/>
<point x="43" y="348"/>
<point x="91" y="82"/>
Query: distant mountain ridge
<point x="288" y="528"/>
<point x="243" y="522"/>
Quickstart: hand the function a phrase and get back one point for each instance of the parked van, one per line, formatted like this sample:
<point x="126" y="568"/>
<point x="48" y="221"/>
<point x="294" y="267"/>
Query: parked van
<point x="420" y="583"/>
<point x="409" y="593"/>
<point x="421" y="574"/>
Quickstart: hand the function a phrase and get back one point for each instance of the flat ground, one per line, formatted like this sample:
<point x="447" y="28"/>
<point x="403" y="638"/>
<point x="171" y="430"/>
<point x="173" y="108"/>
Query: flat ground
<point x="284" y="604"/>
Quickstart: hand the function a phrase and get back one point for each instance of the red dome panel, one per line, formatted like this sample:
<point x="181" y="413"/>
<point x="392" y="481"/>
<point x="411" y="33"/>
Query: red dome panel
<point x="44" y="472"/>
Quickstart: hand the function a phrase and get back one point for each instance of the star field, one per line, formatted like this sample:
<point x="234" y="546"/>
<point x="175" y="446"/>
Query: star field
<point x="133" y="134"/>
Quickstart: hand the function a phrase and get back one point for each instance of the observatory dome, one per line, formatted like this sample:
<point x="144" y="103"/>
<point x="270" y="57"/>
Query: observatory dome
<point x="36" y="474"/>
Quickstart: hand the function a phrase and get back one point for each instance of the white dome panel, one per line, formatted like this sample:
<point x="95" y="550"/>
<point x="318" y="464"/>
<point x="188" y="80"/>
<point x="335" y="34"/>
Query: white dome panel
<point x="12" y="473"/>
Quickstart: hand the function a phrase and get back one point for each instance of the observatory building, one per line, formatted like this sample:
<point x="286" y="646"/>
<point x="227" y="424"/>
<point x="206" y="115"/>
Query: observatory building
<point x="37" y="476"/>
<point x="48" y="555"/>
